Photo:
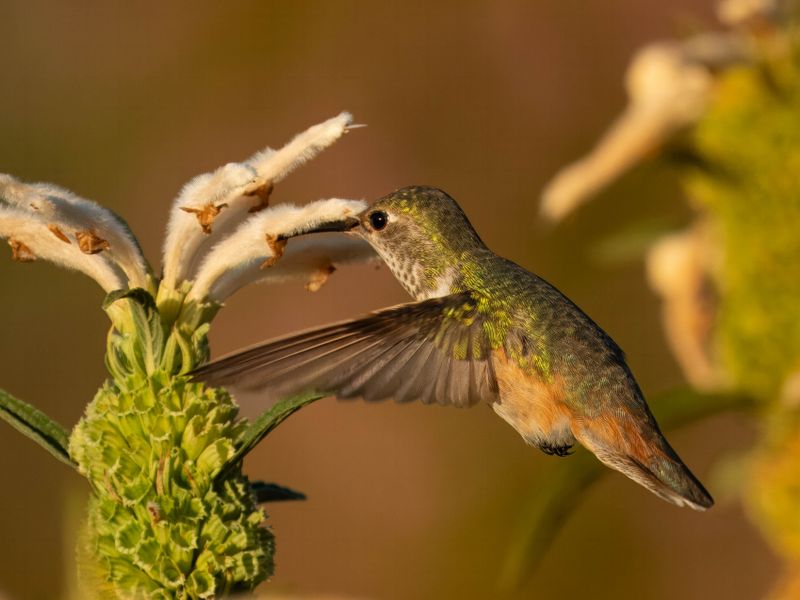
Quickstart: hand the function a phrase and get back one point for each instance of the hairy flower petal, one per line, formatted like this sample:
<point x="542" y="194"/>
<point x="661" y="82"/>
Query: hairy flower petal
<point x="238" y="259"/>
<point x="30" y="238"/>
<point x="74" y="220"/>
<point x="213" y="205"/>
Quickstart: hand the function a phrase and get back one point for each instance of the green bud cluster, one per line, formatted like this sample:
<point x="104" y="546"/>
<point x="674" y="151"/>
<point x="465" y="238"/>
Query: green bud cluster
<point x="172" y="516"/>
<point x="748" y="181"/>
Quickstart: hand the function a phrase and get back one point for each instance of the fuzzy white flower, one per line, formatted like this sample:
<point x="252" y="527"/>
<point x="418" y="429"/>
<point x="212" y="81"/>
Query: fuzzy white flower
<point x="669" y="87"/>
<point x="73" y="220"/>
<point x="32" y="237"/>
<point x="222" y="233"/>
<point x="250" y="253"/>
<point x="210" y="206"/>
<point x="679" y="267"/>
<point x="314" y="258"/>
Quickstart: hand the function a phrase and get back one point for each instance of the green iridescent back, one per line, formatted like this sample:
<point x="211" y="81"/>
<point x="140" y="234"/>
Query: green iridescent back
<point x="533" y="322"/>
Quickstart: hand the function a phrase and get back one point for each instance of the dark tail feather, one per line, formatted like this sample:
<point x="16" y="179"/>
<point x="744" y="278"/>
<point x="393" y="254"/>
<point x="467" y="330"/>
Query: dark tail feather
<point x="670" y="479"/>
<point x="650" y="461"/>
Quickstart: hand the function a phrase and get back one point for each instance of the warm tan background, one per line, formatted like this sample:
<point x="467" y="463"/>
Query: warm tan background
<point x="485" y="100"/>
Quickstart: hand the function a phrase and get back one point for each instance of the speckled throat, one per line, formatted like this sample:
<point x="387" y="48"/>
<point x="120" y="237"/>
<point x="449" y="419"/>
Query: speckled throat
<point x="419" y="280"/>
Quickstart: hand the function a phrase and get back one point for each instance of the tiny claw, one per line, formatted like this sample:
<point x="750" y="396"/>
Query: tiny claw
<point x="564" y="451"/>
<point x="551" y="450"/>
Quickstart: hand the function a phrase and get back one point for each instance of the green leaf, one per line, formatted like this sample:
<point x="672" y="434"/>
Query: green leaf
<point x="36" y="425"/>
<point x="272" y="492"/>
<point x="263" y="425"/>
<point x="562" y="489"/>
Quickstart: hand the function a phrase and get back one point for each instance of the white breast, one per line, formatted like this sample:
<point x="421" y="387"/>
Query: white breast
<point x="443" y="285"/>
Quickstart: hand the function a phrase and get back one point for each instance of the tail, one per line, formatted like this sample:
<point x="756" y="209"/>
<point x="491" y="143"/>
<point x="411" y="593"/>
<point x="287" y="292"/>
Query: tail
<point x="640" y="451"/>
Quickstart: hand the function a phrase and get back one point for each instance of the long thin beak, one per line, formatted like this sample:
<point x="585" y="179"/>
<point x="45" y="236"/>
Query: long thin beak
<point x="341" y="225"/>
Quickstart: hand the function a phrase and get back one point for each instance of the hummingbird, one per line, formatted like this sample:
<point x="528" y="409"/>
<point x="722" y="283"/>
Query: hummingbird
<point x="481" y="329"/>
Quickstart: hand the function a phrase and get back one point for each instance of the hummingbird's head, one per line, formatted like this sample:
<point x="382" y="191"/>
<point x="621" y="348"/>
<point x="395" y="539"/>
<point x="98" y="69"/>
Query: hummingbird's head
<point x="423" y="236"/>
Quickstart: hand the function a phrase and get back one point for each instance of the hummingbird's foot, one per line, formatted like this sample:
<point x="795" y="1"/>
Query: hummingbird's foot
<point x="552" y="450"/>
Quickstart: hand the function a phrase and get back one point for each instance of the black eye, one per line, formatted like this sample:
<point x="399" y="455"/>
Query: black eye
<point x="378" y="220"/>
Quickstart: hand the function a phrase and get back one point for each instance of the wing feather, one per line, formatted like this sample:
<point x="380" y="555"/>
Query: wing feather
<point x="435" y="351"/>
<point x="420" y="376"/>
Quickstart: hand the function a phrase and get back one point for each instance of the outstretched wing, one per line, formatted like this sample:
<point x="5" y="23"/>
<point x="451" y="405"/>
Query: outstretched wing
<point x="434" y="351"/>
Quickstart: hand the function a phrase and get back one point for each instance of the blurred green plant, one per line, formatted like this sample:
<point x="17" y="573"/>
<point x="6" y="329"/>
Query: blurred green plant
<point x="724" y="110"/>
<point x="171" y="514"/>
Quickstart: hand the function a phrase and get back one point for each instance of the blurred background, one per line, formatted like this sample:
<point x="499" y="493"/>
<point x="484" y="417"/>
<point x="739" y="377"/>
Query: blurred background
<point x="485" y="100"/>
